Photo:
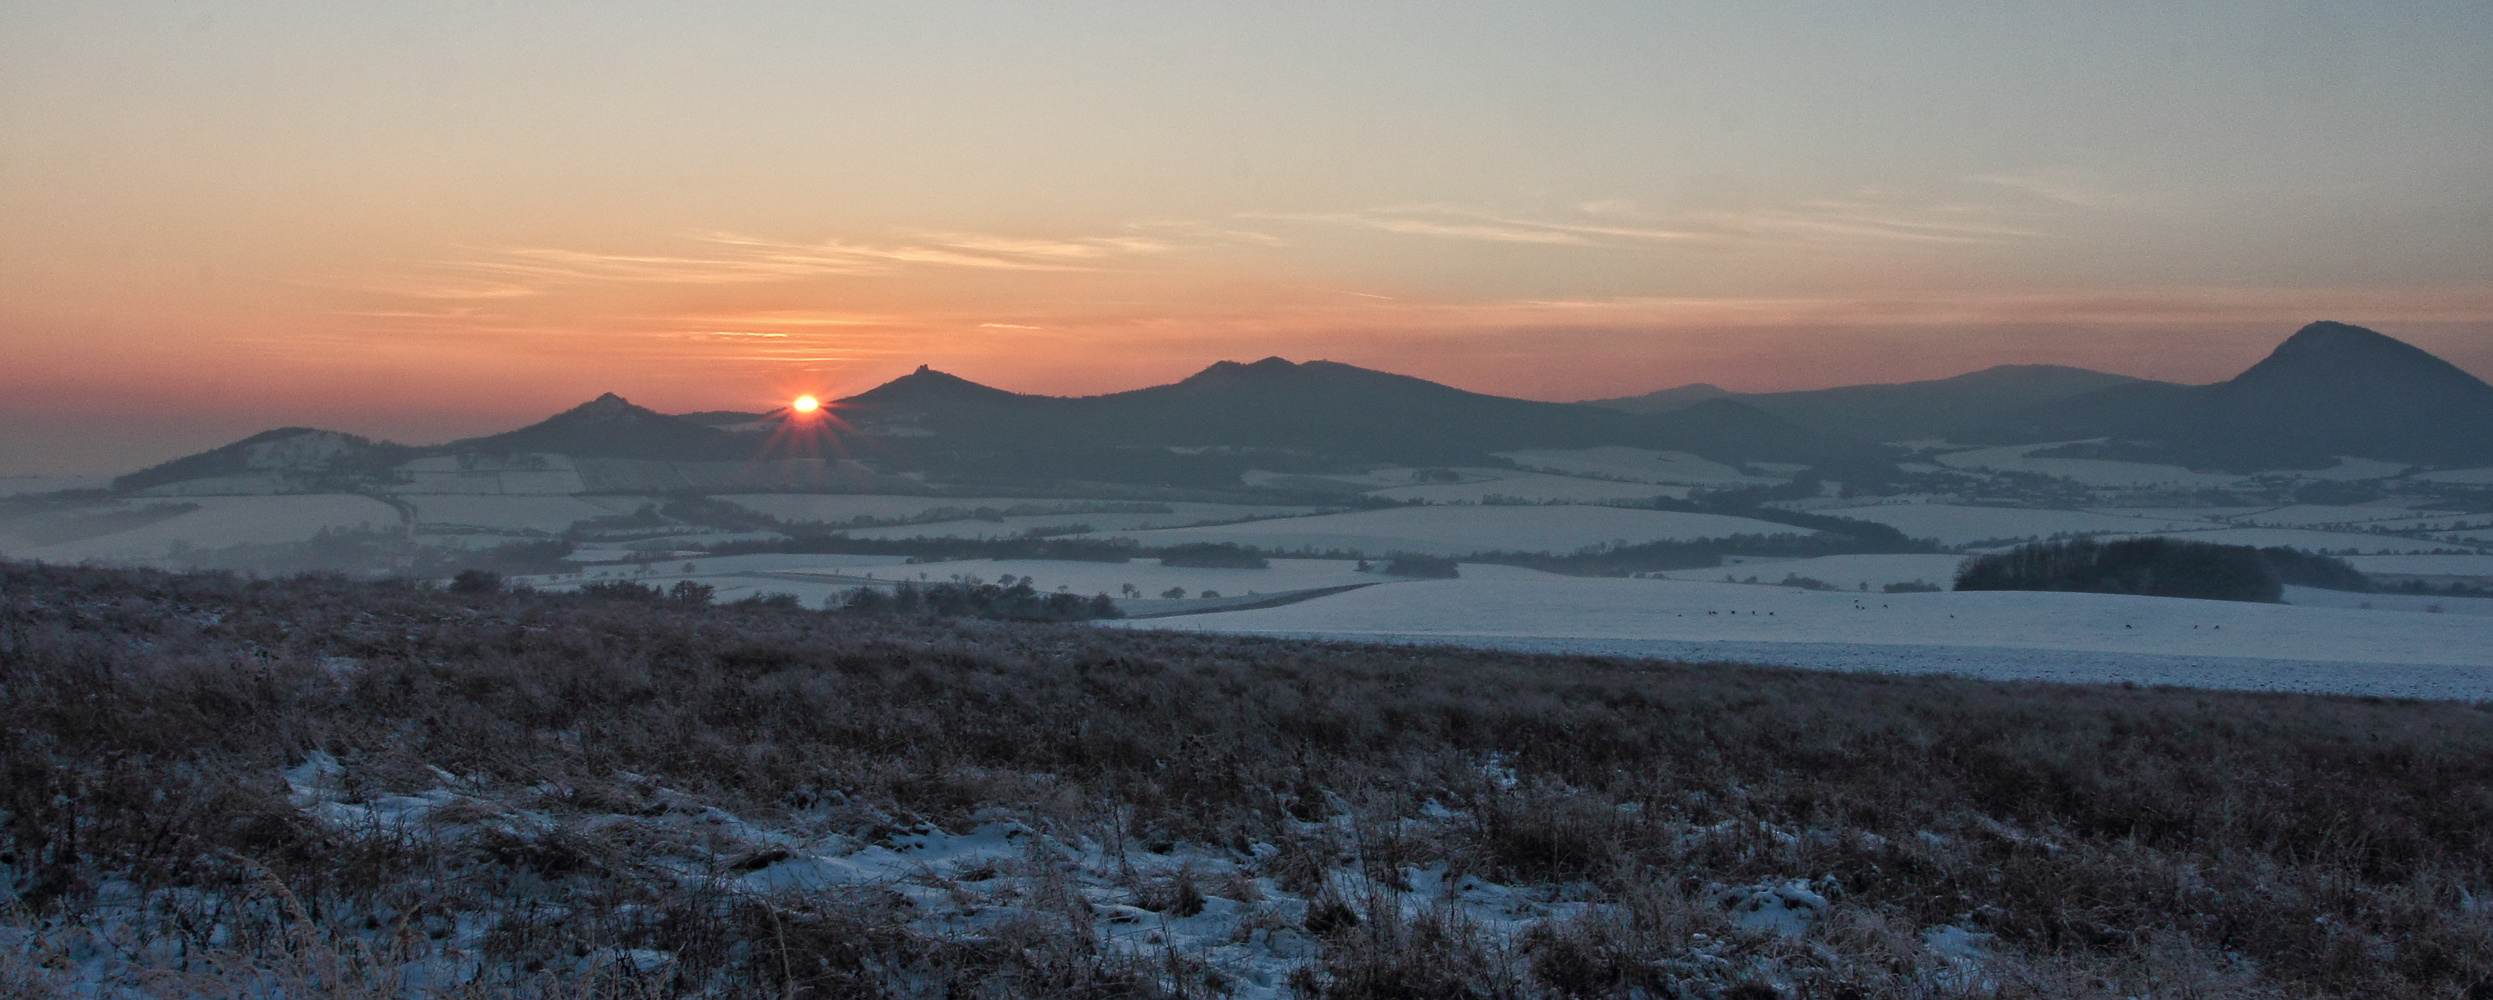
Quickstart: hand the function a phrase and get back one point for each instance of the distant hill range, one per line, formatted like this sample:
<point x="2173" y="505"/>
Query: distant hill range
<point x="2329" y="390"/>
<point x="1272" y="414"/>
<point x="1938" y="408"/>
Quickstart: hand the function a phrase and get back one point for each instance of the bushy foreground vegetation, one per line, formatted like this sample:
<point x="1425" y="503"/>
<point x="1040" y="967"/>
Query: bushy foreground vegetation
<point x="199" y="772"/>
<point x="2158" y="567"/>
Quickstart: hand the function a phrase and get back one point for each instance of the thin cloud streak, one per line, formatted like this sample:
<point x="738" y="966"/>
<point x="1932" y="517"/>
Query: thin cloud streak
<point x="520" y="272"/>
<point x="1865" y="219"/>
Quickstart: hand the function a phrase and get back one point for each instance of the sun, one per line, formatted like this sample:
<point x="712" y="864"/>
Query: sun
<point x="805" y="404"/>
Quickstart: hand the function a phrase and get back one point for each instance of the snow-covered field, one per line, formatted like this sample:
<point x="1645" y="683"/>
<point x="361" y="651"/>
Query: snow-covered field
<point x="224" y="521"/>
<point x="1634" y="464"/>
<point x="518" y="513"/>
<point x="2316" y="541"/>
<point x="1848" y="572"/>
<point x="11" y="486"/>
<point x="1533" y="486"/>
<point x="2313" y="515"/>
<point x="1458" y="530"/>
<point x="843" y="508"/>
<point x="2072" y="637"/>
<point x="1179" y="515"/>
<point x="2472" y="477"/>
<point x="2092" y="472"/>
<point x="1954" y="524"/>
<point x="2425" y="565"/>
<point x="2313" y="597"/>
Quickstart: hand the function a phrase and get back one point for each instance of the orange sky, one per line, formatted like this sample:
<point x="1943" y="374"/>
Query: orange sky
<point x="217" y="218"/>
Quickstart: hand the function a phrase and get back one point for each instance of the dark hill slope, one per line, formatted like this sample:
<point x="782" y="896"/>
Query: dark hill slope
<point x="2331" y="389"/>
<point x="611" y="427"/>
<point x="1899" y="411"/>
<point x="1664" y="400"/>
<point x="1321" y="410"/>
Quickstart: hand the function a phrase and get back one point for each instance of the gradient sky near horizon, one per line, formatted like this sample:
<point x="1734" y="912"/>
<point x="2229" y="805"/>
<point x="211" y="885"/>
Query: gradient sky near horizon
<point x="421" y="221"/>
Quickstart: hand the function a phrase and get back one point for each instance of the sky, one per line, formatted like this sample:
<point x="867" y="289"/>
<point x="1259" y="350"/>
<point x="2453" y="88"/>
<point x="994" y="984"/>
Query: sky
<point x="423" y="221"/>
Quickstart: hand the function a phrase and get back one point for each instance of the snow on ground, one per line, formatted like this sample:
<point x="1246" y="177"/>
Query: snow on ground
<point x="2313" y="597"/>
<point x="2180" y="513"/>
<point x="1533" y="486"/>
<point x="1458" y="530"/>
<point x="1636" y="464"/>
<point x="508" y="513"/>
<point x="11" y="486"/>
<point x="224" y="521"/>
<point x="2316" y="541"/>
<point x="842" y="508"/>
<point x="535" y="474"/>
<point x="1182" y="515"/>
<point x="1959" y="525"/>
<point x="2090" y="638"/>
<point x="2349" y="469"/>
<point x="2092" y="472"/>
<point x="1848" y="572"/>
<point x="1148" y="576"/>
<point x="1191" y="909"/>
<point x="2310" y="515"/>
<point x="2425" y="565"/>
<point x="1390" y="475"/>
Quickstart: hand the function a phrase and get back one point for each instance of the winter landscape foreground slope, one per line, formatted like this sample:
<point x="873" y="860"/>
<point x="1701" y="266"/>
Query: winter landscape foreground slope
<point x="316" y="787"/>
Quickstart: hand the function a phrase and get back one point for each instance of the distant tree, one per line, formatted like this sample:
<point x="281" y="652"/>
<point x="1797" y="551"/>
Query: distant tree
<point x="1422" y="567"/>
<point x="623" y="590"/>
<point x="1214" y="555"/>
<point x="1173" y="593"/>
<point x="476" y="581"/>
<point x="688" y="592"/>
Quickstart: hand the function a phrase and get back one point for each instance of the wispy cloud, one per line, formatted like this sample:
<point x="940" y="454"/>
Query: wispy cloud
<point x="731" y="258"/>
<point x="1868" y="217"/>
<point x="2066" y="185"/>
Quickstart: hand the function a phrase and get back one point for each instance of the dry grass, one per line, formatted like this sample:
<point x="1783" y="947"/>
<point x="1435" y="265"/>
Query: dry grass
<point x="2114" y="842"/>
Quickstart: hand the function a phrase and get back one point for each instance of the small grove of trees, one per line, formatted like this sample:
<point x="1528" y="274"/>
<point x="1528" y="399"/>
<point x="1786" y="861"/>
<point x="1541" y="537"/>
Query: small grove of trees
<point x="2159" y="567"/>
<point x="1018" y="602"/>
<point x="2154" y="567"/>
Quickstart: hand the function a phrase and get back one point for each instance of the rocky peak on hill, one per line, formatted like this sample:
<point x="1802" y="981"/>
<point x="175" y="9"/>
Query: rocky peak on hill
<point x="926" y="388"/>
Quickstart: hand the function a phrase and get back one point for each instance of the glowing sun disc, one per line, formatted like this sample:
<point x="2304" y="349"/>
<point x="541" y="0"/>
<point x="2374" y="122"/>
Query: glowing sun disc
<point x="806" y="404"/>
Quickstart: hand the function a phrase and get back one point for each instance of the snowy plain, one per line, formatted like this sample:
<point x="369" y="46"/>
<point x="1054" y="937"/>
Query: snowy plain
<point x="227" y="520"/>
<point x="1635" y="465"/>
<point x="2094" y="638"/>
<point x="1461" y="530"/>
